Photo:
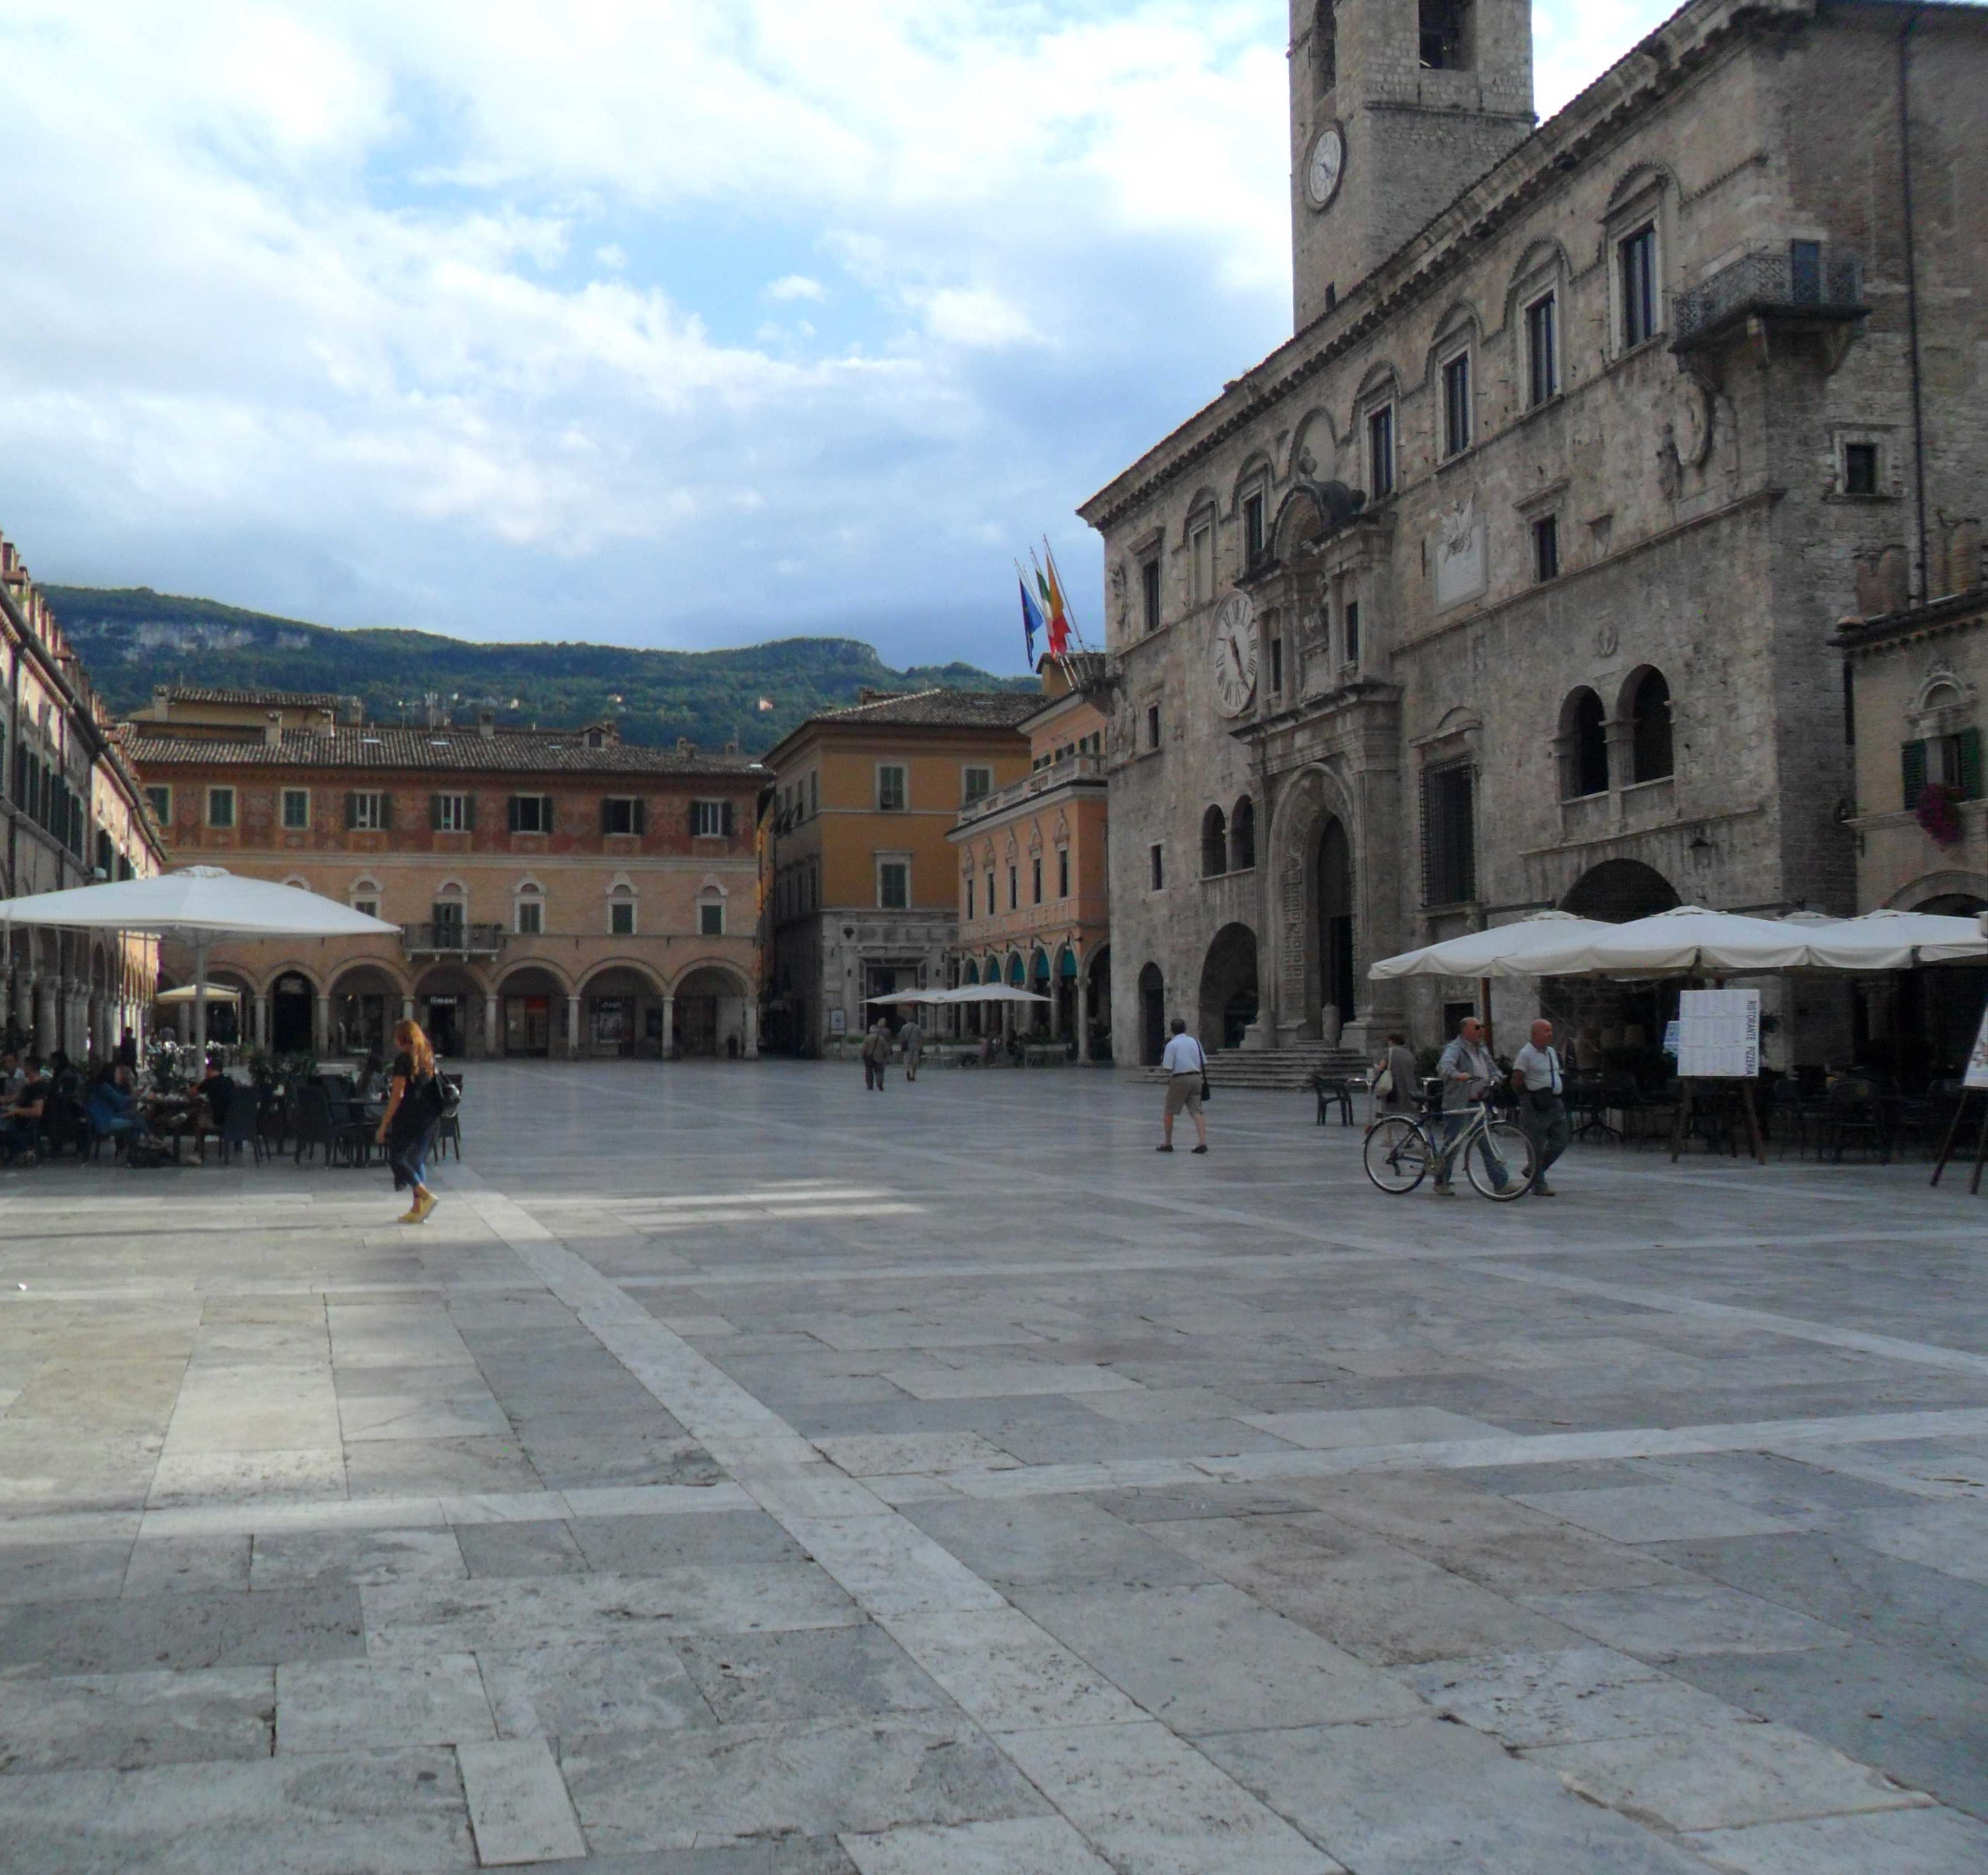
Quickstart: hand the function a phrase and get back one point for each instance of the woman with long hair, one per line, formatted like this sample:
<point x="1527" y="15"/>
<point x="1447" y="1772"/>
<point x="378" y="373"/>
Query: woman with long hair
<point x="413" y="1111"/>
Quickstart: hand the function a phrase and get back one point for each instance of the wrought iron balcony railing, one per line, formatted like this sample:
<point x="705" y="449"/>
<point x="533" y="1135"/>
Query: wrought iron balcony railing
<point x="1804" y="280"/>
<point x="1037" y="781"/>
<point x="452" y="939"/>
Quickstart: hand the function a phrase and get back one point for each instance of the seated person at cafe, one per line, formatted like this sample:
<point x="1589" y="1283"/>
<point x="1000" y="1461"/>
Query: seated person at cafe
<point x="217" y="1090"/>
<point x="113" y="1108"/>
<point x="21" y="1124"/>
<point x="371" y="1084"/>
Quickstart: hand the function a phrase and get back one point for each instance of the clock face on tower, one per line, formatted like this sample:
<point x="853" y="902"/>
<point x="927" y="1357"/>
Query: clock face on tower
<point x="1232" y="654"/>
<point x="1325" y="166"/>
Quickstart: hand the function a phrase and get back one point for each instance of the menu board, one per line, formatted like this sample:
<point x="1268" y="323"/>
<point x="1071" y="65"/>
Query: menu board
<point x="1977" y="1060"/>
<point x="1719" y="1034"/>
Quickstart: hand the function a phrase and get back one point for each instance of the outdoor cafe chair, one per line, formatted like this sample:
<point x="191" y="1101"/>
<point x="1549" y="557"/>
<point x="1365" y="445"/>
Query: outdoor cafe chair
<point x="1855" y="1110"/>
<point x="242" y="1127"/>
<point x="1332" y="1090"/>
<point x="451" y="1124"/>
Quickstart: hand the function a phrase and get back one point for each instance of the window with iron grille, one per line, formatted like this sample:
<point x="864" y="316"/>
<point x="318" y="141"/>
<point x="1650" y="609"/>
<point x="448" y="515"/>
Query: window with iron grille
<point x="1449" y="835"/>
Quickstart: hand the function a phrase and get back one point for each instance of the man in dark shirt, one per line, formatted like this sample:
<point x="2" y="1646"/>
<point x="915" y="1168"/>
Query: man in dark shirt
<point x="21" y="1127"/>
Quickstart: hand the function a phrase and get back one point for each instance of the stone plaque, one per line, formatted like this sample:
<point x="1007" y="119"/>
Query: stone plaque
<point x="1459" y="551"/>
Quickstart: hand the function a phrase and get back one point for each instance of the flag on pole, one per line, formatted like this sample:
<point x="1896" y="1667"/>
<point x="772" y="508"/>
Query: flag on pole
<point x="1031" y="618"/>
<point x="1058" y="613"/>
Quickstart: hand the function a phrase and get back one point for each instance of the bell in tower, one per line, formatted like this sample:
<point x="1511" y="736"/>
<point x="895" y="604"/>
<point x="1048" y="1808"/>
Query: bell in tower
<point x="1397" y="107"/>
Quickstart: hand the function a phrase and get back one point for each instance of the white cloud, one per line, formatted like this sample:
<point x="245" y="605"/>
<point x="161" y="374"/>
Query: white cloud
<point x="449" y="314"/>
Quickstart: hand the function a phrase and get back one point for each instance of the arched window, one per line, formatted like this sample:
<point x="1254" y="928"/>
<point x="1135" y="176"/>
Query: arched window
<point x="1650" y="715"/>
<point x="1214" y="844"/>
<point x="1583" y="744"/>
<point x="1243" y="836"/>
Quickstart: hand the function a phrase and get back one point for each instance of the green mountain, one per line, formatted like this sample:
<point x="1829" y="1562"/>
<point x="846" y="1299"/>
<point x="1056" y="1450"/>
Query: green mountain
<point x="131" y="639"/>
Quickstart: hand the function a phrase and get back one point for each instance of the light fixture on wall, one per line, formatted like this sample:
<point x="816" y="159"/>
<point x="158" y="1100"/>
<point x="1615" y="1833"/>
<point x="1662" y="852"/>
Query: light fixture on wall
<point x="1701" y="850"/>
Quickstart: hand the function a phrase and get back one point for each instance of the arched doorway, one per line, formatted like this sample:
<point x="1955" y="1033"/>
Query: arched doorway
<point x="1605" y="1023"/>
<point x="533" y="1004"/>
<point x="710" y="1010"/>
<point x="621" y="1010"/>
<point x="448" y="1004"/>
<point x="1228" y="994"/>
<point x="1100" y="967"/>
<point x="1337" y="986"/>
<point x="365" y="1004"/>
<point x="1152" y="1015"/>
<point x="290" y="1025"/>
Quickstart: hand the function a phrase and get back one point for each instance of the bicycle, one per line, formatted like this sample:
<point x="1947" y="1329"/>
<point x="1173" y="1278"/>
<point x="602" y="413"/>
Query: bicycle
<point x="1400" y="1150"/>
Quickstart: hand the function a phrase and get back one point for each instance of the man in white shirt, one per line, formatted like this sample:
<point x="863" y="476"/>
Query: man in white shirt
<point x="1184" y="1065"/>
<point x="1541" y="1085"/>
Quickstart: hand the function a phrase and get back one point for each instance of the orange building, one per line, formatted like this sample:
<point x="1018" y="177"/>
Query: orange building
<point x="558" y="892"/>
<point x="1034" y="905"/>
<point x="860" y="892"/>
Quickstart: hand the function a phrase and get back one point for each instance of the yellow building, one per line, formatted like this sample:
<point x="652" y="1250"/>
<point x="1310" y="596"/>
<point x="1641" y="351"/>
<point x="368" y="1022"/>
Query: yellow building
<point x="1033" y="903"/>
<point x="860" y="891"/>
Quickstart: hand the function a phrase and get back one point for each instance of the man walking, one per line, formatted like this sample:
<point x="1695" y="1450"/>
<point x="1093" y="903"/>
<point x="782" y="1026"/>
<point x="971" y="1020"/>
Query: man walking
<point x="911" y="1038"/>
<point x="1467" y="1071"/>
<point x="1536" y="1073"/>
<point x="876" y="1051"/>
<point x="1184" y="1065"/>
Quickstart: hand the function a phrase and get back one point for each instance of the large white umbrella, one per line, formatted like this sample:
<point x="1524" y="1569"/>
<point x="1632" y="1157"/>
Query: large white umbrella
<point x="1686" y="940"/>
<point x="909" y="996"/>
<point x="1503" y="950"/>
<point x="194" y="905"/>
<point x="989" y="993"/>
<point x="1895" y="941"/>
<point x="193" y="992"/>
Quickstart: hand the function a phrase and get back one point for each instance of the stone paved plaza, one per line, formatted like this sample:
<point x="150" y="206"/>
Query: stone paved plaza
<point x="743" y="1475"/>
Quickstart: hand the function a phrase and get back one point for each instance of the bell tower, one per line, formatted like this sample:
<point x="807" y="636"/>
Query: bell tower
<point x="1397" y="107"/>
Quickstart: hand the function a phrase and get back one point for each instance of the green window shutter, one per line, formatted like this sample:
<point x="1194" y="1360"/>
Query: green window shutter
<point x="1970" y="764"/>
<point x="469" y="813"/>
<point x="434" y="813"/>
<point x="724" y="820"/>
<point x="351" y="811"/>
<point x="544" y="813"/>
<point x="511" y="811"/>
<point x="693" y="820"/>
<point x="386" y="812"/>
<point x="641" y="816"/>
<point x="1912" y="761"/>
<point x="604" y="821"/>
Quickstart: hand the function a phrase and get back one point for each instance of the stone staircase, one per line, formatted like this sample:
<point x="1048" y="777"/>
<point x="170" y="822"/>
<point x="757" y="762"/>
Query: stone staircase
<point x="1283" y="1070"/>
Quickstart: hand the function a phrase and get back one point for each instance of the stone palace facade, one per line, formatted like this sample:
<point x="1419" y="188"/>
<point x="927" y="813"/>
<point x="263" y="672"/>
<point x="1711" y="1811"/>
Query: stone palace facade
<point x="1509" y="582"/>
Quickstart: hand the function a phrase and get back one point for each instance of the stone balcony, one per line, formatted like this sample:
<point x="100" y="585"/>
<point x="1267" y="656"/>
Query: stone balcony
<point x="1802" y="283"/>
<point x="1039" y="781"/>
<point x="449" y="938"/>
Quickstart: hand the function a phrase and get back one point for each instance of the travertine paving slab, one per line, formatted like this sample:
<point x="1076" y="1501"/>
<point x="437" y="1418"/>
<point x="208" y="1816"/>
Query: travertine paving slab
<point x="126" y="1721"/>
<point x="833" y="1673"/>
<point x="138" y="1633"/>
<point x="1925" y="1842"/>
<point x="394" y="1812"/>
<point x="678" y="1789"/>
<point x="364" y="1558"/>
<point x="1372" y="1426"/>
<point x="882" y="1455"/>
<point x="569" y="1689"/>
<point x="1007" y="1672"/>
<point x="355" y="1705"/>
<point x="1532" y="1699"/>
<point x="62" y="1572"/>
<point x="1656" y="1513"/>
<point x="518" y="1804"/>
<point x="1028" y="1846"/>
<point x="1212" y="1659"/>
<point x="1418" y="1797"/>
<point x="1152" y="1803"/>
<point x="1660" y="1624"/>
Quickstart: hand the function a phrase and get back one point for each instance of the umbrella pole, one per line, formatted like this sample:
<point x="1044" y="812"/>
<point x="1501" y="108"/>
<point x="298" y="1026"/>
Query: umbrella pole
<point x="200" y="1005"/>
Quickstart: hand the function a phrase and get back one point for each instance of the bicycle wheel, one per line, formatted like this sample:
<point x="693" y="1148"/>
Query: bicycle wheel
<point x="1396" y="1153"/>
<point x="1500" y="1144"/>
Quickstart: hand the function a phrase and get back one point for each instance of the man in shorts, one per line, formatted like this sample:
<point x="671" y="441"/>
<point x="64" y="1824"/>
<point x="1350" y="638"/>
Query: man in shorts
<point x="1184" y="1065"/>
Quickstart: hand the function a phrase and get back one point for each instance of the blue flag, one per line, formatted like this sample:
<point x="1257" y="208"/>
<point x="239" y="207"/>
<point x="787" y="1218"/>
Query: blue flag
<point x="1032" y="621"/>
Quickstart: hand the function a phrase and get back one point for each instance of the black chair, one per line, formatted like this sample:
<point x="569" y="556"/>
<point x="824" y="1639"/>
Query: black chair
<point x="318" y="1123"/>
<point x="242" y="1127"/>
<point x="451" y="1128"/>
<point x="1333" y="1091"/>
<point x="1854" y="1110"/>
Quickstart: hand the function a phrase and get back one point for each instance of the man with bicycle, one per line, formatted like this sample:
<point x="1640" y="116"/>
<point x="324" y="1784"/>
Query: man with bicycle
<point x="1467" y="1073"/>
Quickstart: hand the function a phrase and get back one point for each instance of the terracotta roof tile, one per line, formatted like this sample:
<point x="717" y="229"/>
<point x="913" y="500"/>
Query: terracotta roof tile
<point x="940" y="709"/>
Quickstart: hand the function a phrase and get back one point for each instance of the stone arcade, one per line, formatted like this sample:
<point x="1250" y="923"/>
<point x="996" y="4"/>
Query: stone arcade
<point x="1508" y="582"/>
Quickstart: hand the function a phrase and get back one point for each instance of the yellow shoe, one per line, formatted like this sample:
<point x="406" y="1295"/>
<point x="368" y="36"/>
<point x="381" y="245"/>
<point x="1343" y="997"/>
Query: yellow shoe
<point x="424" y="1208"/>
<point x="412" y="1217"/>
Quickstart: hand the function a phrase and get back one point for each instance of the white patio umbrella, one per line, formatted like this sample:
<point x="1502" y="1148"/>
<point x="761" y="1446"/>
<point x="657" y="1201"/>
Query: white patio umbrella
<point x="1503" y="950"/>
<point x="909" y="996"/>
<point x="1895" y="941"/>
<point x="989" y="993"/>
<point x="1687" y="939"/>
<point x="194" y="905"/>
<point x="192" y="992"/>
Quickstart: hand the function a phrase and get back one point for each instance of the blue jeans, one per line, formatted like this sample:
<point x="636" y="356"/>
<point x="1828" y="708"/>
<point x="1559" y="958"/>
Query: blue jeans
<point x="410" y="1161"/>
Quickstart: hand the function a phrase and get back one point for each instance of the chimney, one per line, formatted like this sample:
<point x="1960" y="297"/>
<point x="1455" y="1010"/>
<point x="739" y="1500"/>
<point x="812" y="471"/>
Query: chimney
<point x="486" y="724"/>
<point x="272" y="730"/>
<point x="685" y="746"/>
<point x="732" y="748"/>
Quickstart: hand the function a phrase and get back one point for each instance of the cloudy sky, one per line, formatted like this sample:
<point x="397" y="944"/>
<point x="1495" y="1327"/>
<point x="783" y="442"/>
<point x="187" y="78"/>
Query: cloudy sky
<point x="660" y="321"/>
